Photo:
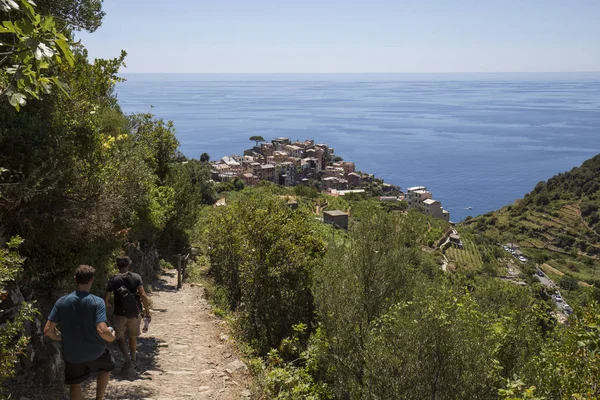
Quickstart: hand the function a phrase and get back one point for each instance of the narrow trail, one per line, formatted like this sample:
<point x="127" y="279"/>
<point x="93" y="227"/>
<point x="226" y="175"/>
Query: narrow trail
<point x="184" y="355"/>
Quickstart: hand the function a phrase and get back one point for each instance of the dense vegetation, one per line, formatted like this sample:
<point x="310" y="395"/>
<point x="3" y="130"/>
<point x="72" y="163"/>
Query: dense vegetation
<point x="80" y="182"/>
<point x="370" y="314"/>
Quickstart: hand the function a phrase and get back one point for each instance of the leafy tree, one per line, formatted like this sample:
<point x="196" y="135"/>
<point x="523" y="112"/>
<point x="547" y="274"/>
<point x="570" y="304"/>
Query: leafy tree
<point x="159" y="142"/>
<point x="437" y="346"/>
<point x="264" y="254"/>
<point x="257" y="139"/>
<point x="75" y="14"/>
<point x="30" y="46"/>
<point x="190" y="181"/>
<point x="204" y="157"/>
<point x="567" y="282"/>
<point x="568" y="367"/>
<point x="378" y="265"/>
<point x="588" y="207"/>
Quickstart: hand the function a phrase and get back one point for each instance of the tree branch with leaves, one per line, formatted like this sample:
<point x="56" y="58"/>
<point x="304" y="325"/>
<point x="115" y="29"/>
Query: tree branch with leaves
<point x="31" y="45"/>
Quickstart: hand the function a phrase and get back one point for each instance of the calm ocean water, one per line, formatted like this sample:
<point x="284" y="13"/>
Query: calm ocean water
<point x="480" y="140"/>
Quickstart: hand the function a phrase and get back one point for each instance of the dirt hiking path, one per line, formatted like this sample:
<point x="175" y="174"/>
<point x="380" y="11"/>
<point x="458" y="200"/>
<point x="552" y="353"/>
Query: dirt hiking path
<point x="184" y="355"/>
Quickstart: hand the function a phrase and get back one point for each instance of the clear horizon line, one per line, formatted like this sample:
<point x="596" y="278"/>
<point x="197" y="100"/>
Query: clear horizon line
<point x="362" y="73"/>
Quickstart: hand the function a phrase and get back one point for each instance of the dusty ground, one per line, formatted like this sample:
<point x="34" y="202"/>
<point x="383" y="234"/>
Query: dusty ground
<point x="184" y="355"/>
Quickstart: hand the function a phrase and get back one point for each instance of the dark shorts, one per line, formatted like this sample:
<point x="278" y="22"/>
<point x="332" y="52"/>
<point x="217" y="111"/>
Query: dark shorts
<point x="77" y="373"/>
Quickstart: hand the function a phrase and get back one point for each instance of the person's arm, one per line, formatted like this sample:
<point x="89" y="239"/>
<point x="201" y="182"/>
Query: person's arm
<point x="52" y="331"/>
<point x="107" y="304"/>
<point x="145" y="302"/>
<point x="105" y="333"/>
<point x="101" y="325"/>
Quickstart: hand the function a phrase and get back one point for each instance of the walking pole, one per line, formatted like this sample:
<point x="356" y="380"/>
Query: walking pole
<point x="179" y="278"/>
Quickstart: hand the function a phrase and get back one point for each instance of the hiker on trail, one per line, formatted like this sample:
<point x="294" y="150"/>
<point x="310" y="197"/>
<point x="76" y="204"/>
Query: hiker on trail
<point x="83" y="335"/>
<point x="129" y="292"/>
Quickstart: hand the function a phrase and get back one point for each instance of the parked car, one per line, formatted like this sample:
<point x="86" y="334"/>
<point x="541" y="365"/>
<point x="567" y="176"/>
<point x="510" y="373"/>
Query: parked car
<point x="558" y="298"/>
<point x="540" y="272"/>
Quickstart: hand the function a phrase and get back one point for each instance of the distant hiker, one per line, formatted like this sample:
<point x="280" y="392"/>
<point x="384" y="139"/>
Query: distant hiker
<point x="129" y="292"/>
<point x="83" y="334"/>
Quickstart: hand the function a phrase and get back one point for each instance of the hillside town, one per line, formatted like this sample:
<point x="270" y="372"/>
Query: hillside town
<point x="288" y="163"/>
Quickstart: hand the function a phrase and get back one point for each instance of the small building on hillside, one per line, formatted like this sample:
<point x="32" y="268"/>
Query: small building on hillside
<point x="389" y="199"/>
<point x="291" y="201"/>
<point x="250" y="179"/>
<point x="420" y="198"/>
<point x="266" y="172"/>
<point x="294" y="151"/>
<point x="337" y="218"/>
<point x="435" y="209"/>
<point x="354" y="180"/>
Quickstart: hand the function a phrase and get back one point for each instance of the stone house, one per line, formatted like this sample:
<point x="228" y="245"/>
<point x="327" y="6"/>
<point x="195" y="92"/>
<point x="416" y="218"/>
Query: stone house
<point x="435" y="209"/>
<point x="332" y="182"/>
<point x="416" y="195"/>
<point x="286" y="173"/>
<point x="354" y="180"/>
<point x="294" y="151"/>
<point x="420" y="198"/>
<point x="266" y="149"/>
<point x="267" y="173"/>
<point x="337" y="218"/>
<point x="280" y="156"/>
<point x="348" y="167"/>
<point x="250" y="179"/>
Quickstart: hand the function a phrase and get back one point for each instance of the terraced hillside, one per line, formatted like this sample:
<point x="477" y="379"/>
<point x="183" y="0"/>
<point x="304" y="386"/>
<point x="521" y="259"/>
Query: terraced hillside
<point x="557" y="223"/>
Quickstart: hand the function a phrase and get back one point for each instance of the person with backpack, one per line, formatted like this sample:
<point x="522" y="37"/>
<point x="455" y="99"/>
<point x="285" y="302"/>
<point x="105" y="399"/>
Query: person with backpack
<point x="83" y="335"/>
<point x="129" y="295"/>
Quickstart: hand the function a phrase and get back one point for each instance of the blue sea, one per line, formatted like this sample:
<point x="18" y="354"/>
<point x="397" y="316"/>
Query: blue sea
<point x="479" y="140"/>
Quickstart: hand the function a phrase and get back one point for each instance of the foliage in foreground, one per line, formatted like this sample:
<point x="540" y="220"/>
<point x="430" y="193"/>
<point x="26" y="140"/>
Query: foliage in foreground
<point x="388" y="322"/>
<point x="32" y="48"/>
<point x="12" y="340"/>
<point x="264" y="254"/>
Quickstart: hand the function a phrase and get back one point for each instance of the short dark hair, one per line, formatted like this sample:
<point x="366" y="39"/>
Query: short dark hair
<point x="84" y="274"/>
<point x="123" y="262"/>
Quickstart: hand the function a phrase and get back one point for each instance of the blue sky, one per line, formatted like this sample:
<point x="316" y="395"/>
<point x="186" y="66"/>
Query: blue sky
<point x="351" y="36"/>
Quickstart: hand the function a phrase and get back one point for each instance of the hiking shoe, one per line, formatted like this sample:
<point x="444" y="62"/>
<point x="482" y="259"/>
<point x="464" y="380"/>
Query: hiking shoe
<point x="127" y="369"/>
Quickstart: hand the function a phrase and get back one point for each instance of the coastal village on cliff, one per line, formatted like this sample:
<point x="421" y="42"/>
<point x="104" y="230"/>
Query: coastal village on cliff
<point x="306" y="163"/>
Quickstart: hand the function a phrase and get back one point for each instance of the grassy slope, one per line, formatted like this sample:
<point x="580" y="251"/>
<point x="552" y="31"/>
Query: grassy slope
<point x="556" y="223"/>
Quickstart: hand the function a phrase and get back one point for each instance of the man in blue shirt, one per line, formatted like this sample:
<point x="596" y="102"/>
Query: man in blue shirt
<point x="83" y="334"/>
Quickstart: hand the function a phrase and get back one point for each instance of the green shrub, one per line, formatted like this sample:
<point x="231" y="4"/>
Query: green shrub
<point x="12" y="340"/>
<point x="264" y="254"/>
<point x="165" y="264"/>
<point x="567" y="282"/>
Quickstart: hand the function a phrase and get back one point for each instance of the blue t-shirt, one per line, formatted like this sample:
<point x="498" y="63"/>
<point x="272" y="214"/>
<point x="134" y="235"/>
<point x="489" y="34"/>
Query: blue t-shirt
<point x="78" y="313"/>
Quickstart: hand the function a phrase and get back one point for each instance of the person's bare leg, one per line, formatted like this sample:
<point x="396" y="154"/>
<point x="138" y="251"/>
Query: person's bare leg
<point x="133" y="348"/>
<point x="75" y="392"/>
<point x="101" y="384"/>
<point x="123" y="347"/>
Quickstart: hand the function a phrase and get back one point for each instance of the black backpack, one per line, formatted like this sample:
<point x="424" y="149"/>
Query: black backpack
<point x="129" y="304"/>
